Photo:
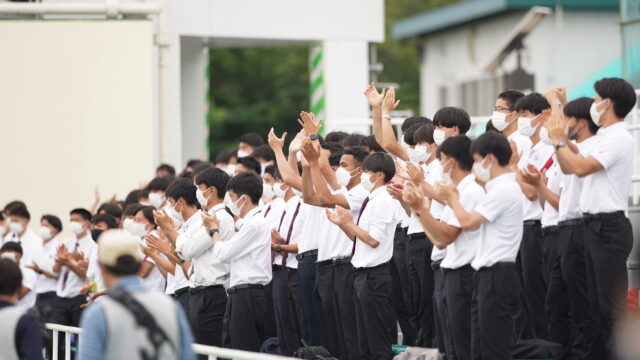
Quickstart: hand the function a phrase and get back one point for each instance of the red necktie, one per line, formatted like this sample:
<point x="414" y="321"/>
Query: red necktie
<point x="295" y="214"/>
<point x="364" y="205"/>
<point x="273" y="253"/>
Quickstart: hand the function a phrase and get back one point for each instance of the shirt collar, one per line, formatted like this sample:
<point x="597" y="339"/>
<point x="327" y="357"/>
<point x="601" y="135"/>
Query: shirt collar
<point x="217" y="207"/>
<point x="611" y="128"/>
<point x="377" y="192"/>
<point x="194" y="218"/>
<point x="251" y="213"/>
<point x="504" y="177"/>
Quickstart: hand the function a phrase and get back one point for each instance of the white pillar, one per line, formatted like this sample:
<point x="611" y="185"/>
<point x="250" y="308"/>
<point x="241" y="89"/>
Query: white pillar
<point x="170" y="146"/>
<point x="194" y="60"/>
<point x="346" y="74"/>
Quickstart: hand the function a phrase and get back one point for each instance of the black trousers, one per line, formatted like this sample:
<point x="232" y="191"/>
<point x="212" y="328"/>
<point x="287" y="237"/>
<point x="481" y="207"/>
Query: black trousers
<point x="66" y="311"/>
<point x="287" y="329"/>
<point x="401" y="285"/>
<point x="206" y="312"/>
<point x="343" y="286"/>
<point x="325" y="292"/>
<point x="421" y="276"/>
<point x="568" y="277"/>
<point x="608" y="242"/>
<point x="458" y="290"/>
<point x="440" y="313"/>
<point x="244" y="320"/>
<point x="531" y="260"/>
<point x="556" y="299"/>
<point x="309" y="308"/>
<point x="45" y="303"/>
<point x="294" y="302"/>
<point x="270" y="318"/>
<point x="494" y="307"/>
<point x="183" y="300"/>
<point x="376" y="323"/>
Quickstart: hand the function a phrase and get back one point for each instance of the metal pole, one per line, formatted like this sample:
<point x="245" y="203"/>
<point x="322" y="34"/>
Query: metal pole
<point x="55" y="345"/>
<point x="67" y="346"/>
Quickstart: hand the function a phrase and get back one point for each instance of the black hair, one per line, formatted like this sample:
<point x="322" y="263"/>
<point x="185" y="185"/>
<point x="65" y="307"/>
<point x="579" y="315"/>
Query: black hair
<point x="201" y="167"/>
<point x="108" y="219"/>
<point x="458" y="147"/>
<point x="580" y="109"/>
<point x="225" y="156"/>
<point x="133" y="197"/>
<point x="353" y="140"/>
<point x="216" y="178"/>
<point x="336" y="136"/>
<point x="413" y="120"/>
<point x="14" y="204"/>
<point x="11" y="279"/>
<point x="160" y="183"/>
<point x="424" y="133"/>
<point x="147" y="212"/>
<point x="251" y="163"/>
<point x="20" y="211"/>
<point x="193" y="162"/>
<point x="380" y="162"/>
<point x="495" y="144"/>
<point x="452" y="116"/>
<point x="12" y="246"/>
<point x="252" y="139"/>
<point x="332" y="146"/>
<point x="166" y="167"/>
<point x="357" y="153"/>
<point x="273" y="171"/>
<point x="620" y="92"/>
<point x="84" y="213"/>
<point x="371" y="143"/>
<point x="533" y="103"/>
<point x="246" y="183"/>
<point x="408" y="135"/>
<point x="53" y="221"/>
<point x="265" y="152"/>
<point x="335" y="152"/>
<point x="125" y="265"/>
<point x="132" y="209"/>
<point x="184" y="189"/>
<point x="111" y="209"/>
<point x="511" y="97"/>
<point x="490" y="127"/>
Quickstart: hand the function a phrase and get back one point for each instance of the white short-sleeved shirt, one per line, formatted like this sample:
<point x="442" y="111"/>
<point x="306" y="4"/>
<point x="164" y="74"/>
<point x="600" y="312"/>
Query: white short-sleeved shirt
<point x="538" y="156"/>
<point x="69" y="285"/>
<point x="462" y="251"/>
<point x="554" y="183"/>
<point x="502" y="232"/>
<point x="569" y="208"/>
<point x="293" y="223"/>
<point x="523" y="143"/>
<point x="336" y="244"/>
<point x="380" y="223"/>
<point x="432" y="175"/>
<point x="608" y="190"/>
<point x="272" y="212"/>
<point x="45" y="259"/>
<point x="30" y="241"/>
<point x="29" y="279"/>
<point x="309" y="236"/>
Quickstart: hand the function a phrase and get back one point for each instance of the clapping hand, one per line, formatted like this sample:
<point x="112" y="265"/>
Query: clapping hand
<point x="210" y="221"/>
<point x="556" y="127"/>
<point x="311" y="150"/>
<point x="340" y="216"/>
<point x="448" y="192"/>
<point x="161" y="245"/>
<point x="374" y="97"/>
<point x="414" y="197"/>
<point x="162" y="219"/>
<point x="276" y="143"/>
<point x="309" y="123"/>
<point x="415" y="173"/>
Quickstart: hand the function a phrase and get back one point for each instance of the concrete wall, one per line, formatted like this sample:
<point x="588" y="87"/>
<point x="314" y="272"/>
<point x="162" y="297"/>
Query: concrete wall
<point x="76" y="111"/>
<point x="587" y="42"/>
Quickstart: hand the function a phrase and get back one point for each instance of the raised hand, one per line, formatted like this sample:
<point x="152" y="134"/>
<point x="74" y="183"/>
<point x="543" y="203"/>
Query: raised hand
<point x="296" y="143"/>
<point x="147" y="251"/>
<point x="210" y="221"/>
<point x="395" y="190"/>
<point x="415" y="173"/>
<point x="389" y="103"/>
<point x="309" y="123"/>
<point x="311" y="150"/>
<point x="556" y="127"/>
<point x="515" y="155"/>
<point x="162" y="219"/>
<point x="401" y="171"/>
<point x="276" y="143"/>
<point x="156" y="243"/>
<point x="374" y="97"/>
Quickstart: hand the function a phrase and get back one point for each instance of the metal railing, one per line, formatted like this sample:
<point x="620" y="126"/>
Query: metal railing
<point x="211" y="351"/>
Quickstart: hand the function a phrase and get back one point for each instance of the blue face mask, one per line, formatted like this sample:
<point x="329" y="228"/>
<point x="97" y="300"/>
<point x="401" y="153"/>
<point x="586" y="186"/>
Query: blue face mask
<point x="572" y="134"/>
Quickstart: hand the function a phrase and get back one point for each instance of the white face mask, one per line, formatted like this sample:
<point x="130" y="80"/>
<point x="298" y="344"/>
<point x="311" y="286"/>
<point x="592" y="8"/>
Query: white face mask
<point x="447" y="174"/>
<point x="499" y="120"/>
<point x="9" y="255"/>
<point x="343" y="176"/>
<point x="138" y="229"/>
<point x="439" y="136"/>
<point x="365" y="180"/>
<point x="233" y="206"/>
<point x="16" y="227"/>
<point x="595" y="114"/>
<point x="127" y="225"/>
<point x="242" y="153"/>
<point x="418" y="154"/>
<point x="544" y="136"/>
<point x="278" y="190"/>
<point x="76" y="227"/>
<point x="524" y="126"/>
<point x="267" y="191"/>
<point x="45" y="233"/>
<point x="201" y="199"/>
<point x="156" y="199"/>
<point x="482" y="173"/>
<point x="178" y="219"/>
<point x="231" y="169"/>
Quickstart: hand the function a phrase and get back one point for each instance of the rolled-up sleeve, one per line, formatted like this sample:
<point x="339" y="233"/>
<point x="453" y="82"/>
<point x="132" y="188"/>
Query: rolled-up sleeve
<point x="379" y="222"/>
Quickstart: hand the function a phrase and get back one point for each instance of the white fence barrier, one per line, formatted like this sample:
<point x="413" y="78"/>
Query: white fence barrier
<point x="213" y="352"/>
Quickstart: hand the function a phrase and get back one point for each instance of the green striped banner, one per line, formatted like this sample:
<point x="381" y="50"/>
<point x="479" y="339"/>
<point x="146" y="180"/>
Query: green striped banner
<point x="316" y="88"/>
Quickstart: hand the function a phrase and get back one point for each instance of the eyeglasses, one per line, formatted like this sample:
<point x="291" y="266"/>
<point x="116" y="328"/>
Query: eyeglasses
<point x="500" y="109"/>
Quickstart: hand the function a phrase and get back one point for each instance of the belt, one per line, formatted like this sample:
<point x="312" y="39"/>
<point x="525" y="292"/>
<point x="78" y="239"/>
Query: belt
<point x="435" y="266"/>
<point x="531" y="222"/>
<point x="461" y="268"/>
<point x="572" y="222"/>
<point x="417" y="235"/>
<point x="236" y="288"/>
<point x="373" y="267"/>
<point x="549" y="230"/>
<point x="602" y="216"/>
<point x="498" y="265"/>
<point x="335" y="261"/>
<point x="199" y="289"/>
<point x="276" y="267"/>
<point x="181" y="291"/>
<point x="306" y="253"/>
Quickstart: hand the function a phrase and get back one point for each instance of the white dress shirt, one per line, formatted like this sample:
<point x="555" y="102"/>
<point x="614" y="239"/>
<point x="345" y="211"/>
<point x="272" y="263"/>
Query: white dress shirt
<point x="309" y="239"/>
<point x="432" y="175"/>
<point x="569" y="208"/>
<point x="194" y="244"/>
<point x="554" y="179"/>
<point x="248" y="251"/>
<point x="69" y="284"/>
<point x="463" y="249"/>
<point x="29" y="280"/>
<point x="30" y="241"/>
<point x="291" y="227"/>
<point x="523" y="143"/>
<point x="336" y="244"/>
<point x="321" y="230"/>
<point x="272" y="211"/>
<point x="45" y="259"/>
<point x="378" y="219"/>
<point x="538" y="155"/>
<point x="608" y="190"/>
<point x="502" y="232"/>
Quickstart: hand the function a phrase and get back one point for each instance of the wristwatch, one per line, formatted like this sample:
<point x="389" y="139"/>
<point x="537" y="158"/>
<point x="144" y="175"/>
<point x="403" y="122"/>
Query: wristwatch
<point x="278" y="248"/>
<point x="213" y="231"/>
<point x="314" y="137"/>
<point x="560" y="144"/>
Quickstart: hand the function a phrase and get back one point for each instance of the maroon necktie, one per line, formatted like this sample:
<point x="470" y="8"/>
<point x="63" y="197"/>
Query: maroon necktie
<point x="293" y="219"/>
<point x="364" y="205"/>
<point x="66" y="273"/>
<point x="273" y="253"/>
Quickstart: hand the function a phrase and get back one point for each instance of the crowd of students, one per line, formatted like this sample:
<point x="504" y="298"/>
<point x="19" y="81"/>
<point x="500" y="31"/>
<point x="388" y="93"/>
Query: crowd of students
<point x="470" y="246"/>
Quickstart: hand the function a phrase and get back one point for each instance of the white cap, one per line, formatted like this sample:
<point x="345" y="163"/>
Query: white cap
<point x="116" y="243"/>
